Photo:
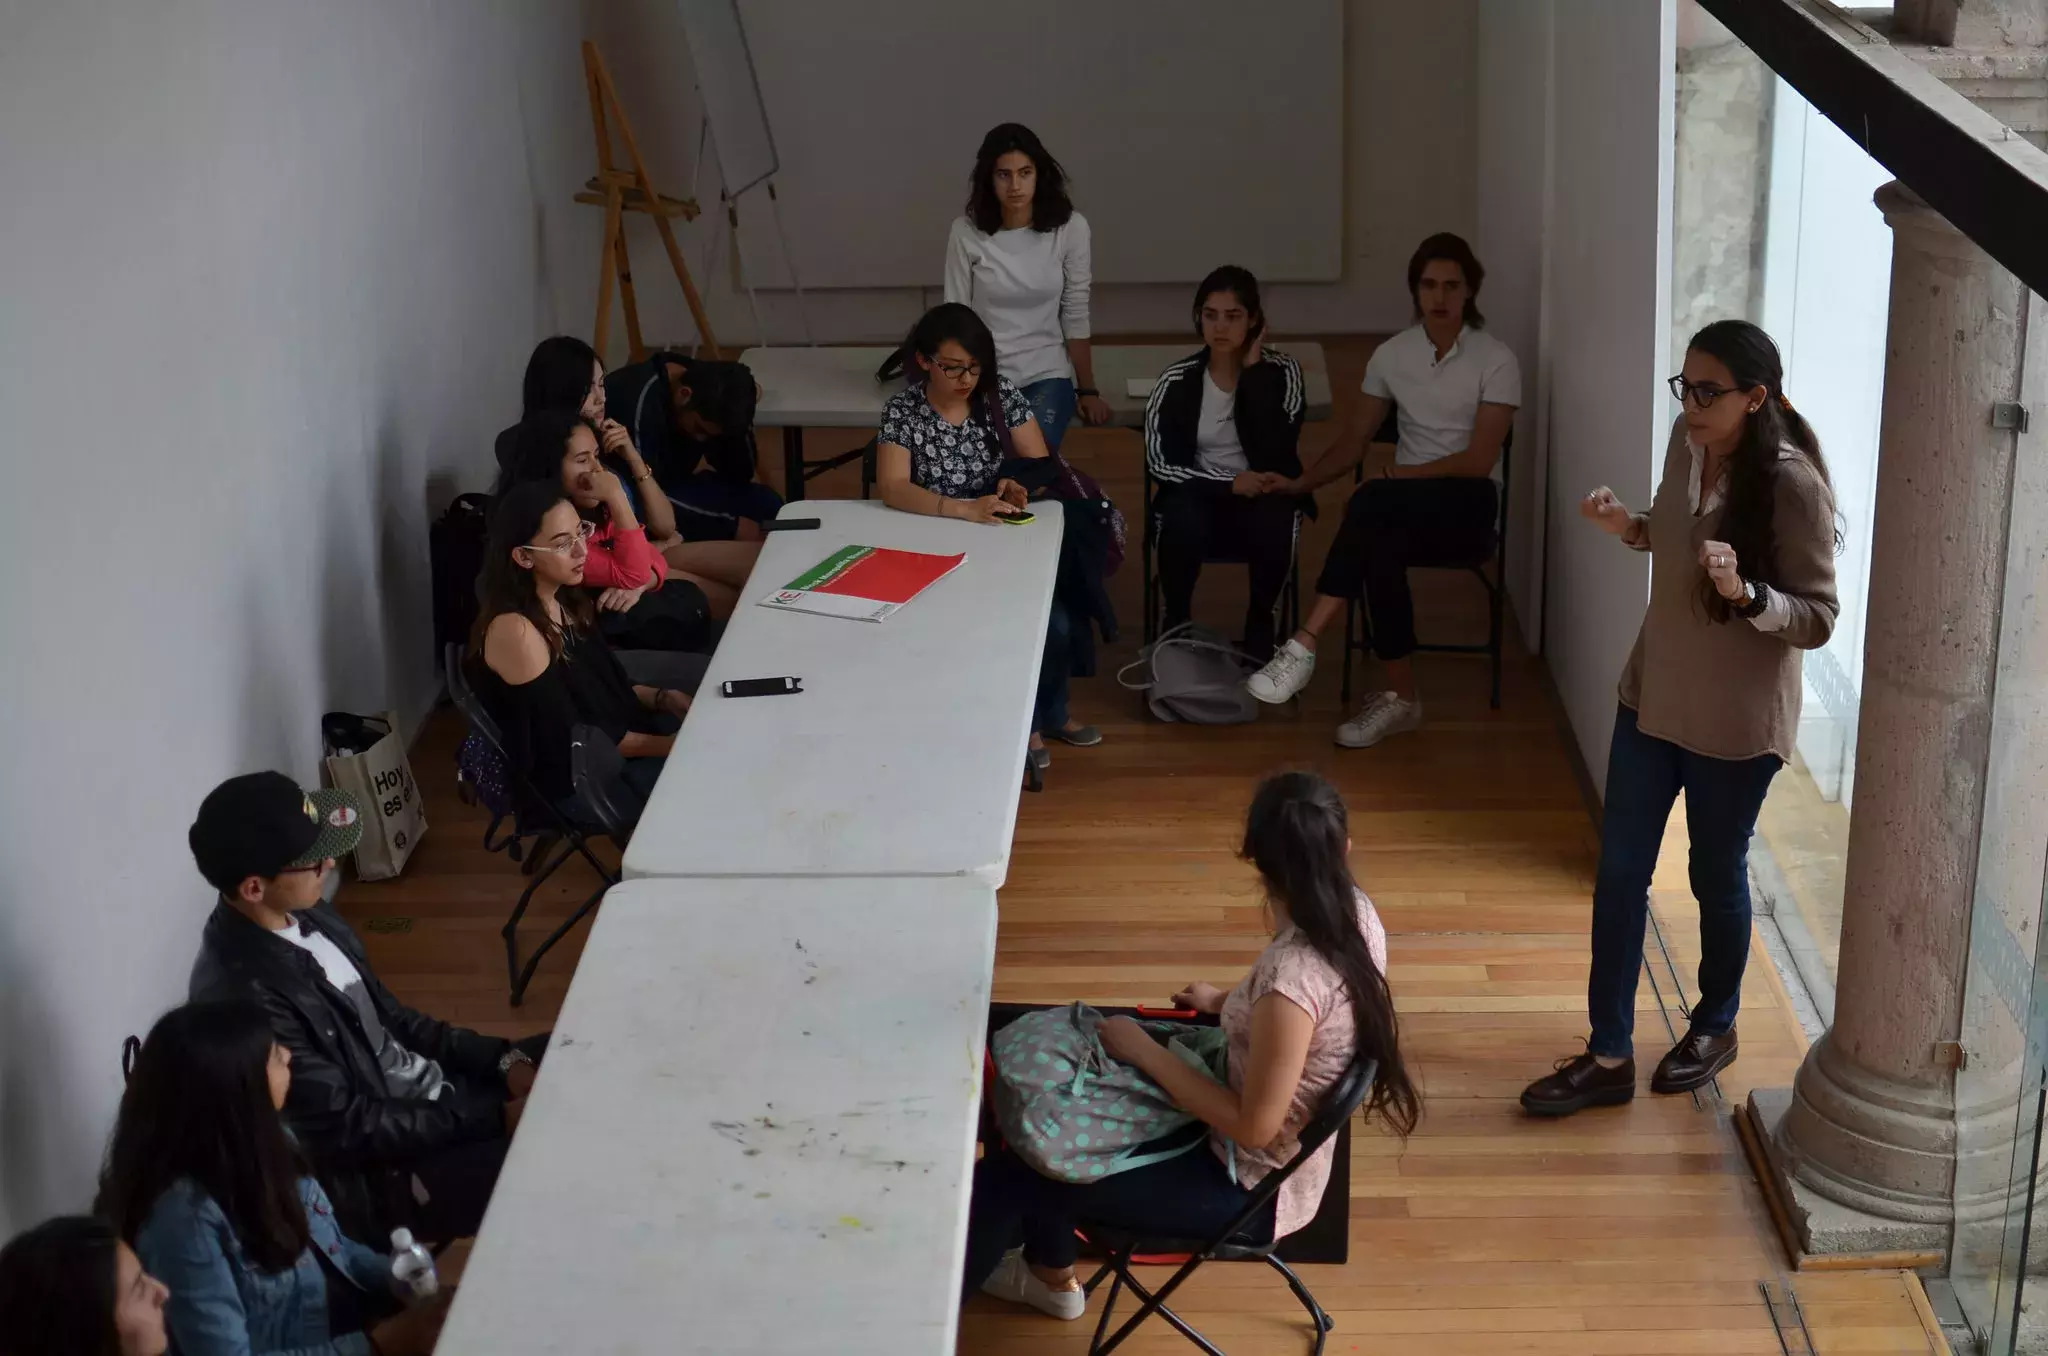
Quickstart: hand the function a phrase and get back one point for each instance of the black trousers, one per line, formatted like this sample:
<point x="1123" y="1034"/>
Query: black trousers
<point x="457" y="1182"/>
<point x="1391" y="525"/>
<point x="1199" y="521"/>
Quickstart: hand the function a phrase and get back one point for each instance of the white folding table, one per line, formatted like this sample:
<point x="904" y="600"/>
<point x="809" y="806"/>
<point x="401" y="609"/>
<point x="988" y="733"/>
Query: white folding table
<point x="903" y="755"/>
<point x="753" y="1131"/>
<point x="836" y="388"/>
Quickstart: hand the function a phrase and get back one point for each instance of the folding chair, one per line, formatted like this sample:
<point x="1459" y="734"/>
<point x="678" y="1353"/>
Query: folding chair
<point x="1228" y="1245"/>
<point x="1358" y="626"/>
<point x="1290" y="594"/>
<point x="558" y="838"/>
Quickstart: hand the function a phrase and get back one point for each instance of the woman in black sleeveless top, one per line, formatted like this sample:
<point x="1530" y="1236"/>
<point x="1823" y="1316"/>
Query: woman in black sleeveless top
<point x="545" y="668"/>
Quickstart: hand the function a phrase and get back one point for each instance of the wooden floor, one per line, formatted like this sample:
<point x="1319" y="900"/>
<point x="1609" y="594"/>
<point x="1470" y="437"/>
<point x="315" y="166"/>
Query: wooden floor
<point x="1631" y="1230"/>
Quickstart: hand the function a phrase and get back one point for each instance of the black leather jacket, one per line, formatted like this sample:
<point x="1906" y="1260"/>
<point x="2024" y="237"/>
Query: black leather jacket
<point x="362" y="1141"/>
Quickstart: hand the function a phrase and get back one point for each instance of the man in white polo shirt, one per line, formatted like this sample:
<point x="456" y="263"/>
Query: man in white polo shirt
<point x="1454" y="389"/>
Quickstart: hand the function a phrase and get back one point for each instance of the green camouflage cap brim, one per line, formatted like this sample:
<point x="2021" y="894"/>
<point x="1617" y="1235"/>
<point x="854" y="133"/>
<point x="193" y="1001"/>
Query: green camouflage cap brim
<point x="341" y="827"/>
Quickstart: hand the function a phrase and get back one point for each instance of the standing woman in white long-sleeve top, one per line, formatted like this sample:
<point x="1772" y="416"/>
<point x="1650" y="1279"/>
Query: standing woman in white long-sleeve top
<point x="1020" y="258"/>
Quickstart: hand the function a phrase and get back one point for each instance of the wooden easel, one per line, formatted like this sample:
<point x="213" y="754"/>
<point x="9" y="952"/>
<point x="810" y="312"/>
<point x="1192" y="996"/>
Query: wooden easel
<point x="619" y="192"/>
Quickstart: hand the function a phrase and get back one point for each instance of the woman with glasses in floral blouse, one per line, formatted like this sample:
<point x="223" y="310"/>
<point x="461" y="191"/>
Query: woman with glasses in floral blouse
<point x="941" y="450"/>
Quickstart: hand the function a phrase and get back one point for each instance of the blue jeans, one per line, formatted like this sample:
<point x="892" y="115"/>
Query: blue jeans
<point x="1055" y="671"/>
<point x="1189" y="1196"/>
<point x="1722" y="799"/>
<point x="1052" y="405"/>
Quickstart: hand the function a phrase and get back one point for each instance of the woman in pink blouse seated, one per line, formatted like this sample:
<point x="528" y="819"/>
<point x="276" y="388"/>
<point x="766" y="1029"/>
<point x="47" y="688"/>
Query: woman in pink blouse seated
<point x="1315" y="1000"/>
<point x="639" y="605"/>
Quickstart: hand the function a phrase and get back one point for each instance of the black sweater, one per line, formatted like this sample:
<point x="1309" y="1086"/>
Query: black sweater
<point x="1268" y="408"/>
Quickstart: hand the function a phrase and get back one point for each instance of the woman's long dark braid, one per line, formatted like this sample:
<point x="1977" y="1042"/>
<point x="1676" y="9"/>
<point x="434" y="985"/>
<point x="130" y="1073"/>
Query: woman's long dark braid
<point x="1749" y="509"/>
<point x="1296" y="834"/>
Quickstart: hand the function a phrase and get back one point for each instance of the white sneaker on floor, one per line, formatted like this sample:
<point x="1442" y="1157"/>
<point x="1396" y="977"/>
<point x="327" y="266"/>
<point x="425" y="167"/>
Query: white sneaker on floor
<point x="1285" y="674"/>
<point x="1013" y="1281"/>
<point x="1383" y="714"/>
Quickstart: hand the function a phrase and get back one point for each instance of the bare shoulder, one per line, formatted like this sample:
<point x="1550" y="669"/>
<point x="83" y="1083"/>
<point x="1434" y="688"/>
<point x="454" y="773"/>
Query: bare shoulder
<point x="515" y="650"/>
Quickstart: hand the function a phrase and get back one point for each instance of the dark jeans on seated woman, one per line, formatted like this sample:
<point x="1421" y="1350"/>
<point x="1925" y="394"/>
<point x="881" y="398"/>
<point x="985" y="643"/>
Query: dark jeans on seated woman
<point x="1187" y="1197"/>
<point x="1722" y="800"/>
<point x="1391" y="525"/>
<point x="1055" y="671"/>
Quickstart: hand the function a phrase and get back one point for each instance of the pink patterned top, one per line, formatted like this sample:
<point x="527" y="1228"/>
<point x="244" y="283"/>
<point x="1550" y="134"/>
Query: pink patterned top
<point x="1290" y="967"/>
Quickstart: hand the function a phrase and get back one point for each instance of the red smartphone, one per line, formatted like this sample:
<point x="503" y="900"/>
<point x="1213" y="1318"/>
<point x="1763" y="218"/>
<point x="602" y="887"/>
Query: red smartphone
<point x="1176" y="1013"/>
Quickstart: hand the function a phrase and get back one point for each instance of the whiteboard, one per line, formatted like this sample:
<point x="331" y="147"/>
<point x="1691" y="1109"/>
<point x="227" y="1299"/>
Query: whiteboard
<point x="732" y="101"/>
<point x="1195" y="132"/>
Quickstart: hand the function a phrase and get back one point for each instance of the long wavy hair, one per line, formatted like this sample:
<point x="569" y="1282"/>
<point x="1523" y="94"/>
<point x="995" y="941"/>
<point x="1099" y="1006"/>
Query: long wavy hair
<point x="1749" y="512"/>
<point x="197" y="1108"/>
<point x="1050" y="206"/>
<point x="506" y="586"/>
<point x="1298" y="835"/>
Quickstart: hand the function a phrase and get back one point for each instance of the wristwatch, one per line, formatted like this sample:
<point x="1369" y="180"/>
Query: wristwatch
<point x="1759" y="599"/>
<point x="511" y="1057"/>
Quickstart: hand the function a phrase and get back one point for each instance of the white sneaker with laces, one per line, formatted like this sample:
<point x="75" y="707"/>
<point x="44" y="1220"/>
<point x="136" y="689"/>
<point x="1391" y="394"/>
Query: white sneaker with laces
<point x="1014" y="1281"/>
<point x="1383" y="714"/>
<point x="1285" y="674"/>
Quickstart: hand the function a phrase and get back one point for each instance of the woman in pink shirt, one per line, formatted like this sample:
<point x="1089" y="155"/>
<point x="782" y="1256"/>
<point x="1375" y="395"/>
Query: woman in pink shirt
<point x="639" y="606"/>
<point x="1315" y="1000"/>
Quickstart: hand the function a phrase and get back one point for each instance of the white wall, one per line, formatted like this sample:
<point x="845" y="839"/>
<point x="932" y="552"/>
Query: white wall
<point x="271" y="272"/>
<point x="1409" y="152"/>
<point x="1513" y="158"/>
<point x="1602" y="277"/>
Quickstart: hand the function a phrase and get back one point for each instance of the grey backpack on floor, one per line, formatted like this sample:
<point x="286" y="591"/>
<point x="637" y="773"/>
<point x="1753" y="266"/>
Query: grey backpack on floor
<point x="1192" y="674"/>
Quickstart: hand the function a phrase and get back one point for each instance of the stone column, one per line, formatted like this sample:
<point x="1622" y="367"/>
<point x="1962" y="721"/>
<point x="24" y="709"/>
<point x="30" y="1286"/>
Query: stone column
<point x="1866" y="1140"/>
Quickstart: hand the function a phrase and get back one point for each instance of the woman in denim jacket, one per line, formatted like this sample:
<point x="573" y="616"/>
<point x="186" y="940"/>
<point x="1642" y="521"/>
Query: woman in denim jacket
<point x="206" y="1184"/>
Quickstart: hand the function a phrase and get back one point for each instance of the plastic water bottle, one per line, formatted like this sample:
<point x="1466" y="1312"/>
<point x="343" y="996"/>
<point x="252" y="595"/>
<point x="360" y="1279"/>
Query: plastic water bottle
<point x="412" y="1267"/>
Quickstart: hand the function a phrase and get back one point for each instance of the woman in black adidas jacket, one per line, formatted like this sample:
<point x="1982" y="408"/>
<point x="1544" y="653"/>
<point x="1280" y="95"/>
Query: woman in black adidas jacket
<point x="1221" y="427"/>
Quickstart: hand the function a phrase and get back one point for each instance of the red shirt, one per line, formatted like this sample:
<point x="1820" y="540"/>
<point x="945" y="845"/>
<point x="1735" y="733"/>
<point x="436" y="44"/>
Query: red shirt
<point x="623" y="560"/>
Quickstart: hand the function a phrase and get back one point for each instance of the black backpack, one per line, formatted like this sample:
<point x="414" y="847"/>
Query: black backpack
<point x="455" y="547"/>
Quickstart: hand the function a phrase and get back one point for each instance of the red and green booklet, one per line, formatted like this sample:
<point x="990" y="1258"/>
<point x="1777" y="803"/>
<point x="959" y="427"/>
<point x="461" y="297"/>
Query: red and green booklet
<point x="864" y="583"/>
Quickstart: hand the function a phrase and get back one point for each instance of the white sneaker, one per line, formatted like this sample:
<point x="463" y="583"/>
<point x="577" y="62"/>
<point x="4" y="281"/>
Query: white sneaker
<point x="1285" y="674"/>
<point x="1383" y="714"/>
<point x="1014" y="1281"/>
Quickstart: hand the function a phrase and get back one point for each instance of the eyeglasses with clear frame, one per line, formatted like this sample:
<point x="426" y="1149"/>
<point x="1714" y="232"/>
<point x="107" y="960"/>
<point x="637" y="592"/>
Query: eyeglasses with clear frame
<point x="578" y="545"/>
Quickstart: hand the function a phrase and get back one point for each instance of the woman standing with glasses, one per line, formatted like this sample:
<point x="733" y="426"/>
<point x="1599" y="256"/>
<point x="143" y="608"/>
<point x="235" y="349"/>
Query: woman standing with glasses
<point x="1742" y="540"/>
<point x="1022" y="258"/>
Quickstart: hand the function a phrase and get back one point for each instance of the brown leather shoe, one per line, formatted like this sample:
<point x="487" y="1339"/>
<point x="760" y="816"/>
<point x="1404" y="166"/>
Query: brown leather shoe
<point x="1693" y="1062"/>
<point x="1580" y="1082"/>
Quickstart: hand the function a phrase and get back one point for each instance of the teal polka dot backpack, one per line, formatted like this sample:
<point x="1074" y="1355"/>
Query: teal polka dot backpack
<point x="1077" y="1115"/>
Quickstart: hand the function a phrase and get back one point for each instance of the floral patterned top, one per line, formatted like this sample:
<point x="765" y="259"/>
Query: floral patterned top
<point x="959" y="461"/>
